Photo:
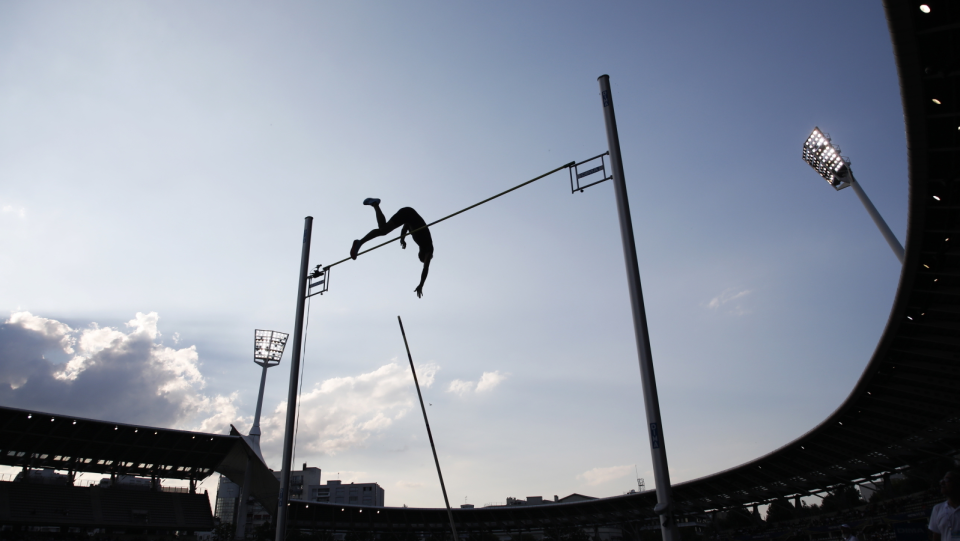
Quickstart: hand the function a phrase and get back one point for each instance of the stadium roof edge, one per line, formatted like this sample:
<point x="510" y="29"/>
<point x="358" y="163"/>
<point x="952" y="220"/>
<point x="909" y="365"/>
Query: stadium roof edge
<point x="35" y="439"/>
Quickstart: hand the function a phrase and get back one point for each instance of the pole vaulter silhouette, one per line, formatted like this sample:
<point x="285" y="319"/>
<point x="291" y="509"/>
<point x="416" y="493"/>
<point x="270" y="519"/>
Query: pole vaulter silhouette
<point x="410" y="222"/>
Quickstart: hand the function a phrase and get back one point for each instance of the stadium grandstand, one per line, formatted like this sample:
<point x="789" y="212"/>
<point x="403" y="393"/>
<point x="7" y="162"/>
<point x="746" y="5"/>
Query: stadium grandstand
<point x="902" y="417"/>
<point x="36" y="441"/>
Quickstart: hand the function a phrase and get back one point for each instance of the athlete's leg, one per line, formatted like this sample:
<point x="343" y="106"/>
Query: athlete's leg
<point x="385" y="227"/>
<point x="374" y="233"/>
<point x="381" y="220"/>
<point x="375" y="203"/>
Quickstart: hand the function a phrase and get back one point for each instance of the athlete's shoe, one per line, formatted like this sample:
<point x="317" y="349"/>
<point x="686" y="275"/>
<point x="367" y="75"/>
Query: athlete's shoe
<point x="354" y="249"/>
<point x="371" y="201"/>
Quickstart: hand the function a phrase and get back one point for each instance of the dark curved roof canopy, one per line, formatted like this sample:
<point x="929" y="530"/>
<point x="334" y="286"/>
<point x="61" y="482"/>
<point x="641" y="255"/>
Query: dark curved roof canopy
<point x="63" y="442"/>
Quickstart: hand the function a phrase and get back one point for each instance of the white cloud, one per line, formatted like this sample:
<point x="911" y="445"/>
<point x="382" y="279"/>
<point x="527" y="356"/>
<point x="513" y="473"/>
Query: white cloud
<point x="488" y="381"/>
<point x="730" y="295"/>
<point x="111" y="374"/>
<point x="10" y="209"/>
<point x="94" y="340"/>
<point x="342" y="413"/>
<point x="460" y="387"/>
<point x="598" y="476"/>
<point x="49" y="328"/>
<point x="145" y="324"/>
<point x="222" y="409"/>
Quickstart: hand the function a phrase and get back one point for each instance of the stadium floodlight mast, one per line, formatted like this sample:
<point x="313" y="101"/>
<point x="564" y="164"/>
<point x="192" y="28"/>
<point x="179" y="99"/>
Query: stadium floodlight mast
<point x="267" y="351"/>
<point x="820" y="152"/>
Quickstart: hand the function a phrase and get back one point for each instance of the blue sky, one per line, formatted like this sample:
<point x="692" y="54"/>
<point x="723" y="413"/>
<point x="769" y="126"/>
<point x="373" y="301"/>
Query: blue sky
<point x="160" y="158"/>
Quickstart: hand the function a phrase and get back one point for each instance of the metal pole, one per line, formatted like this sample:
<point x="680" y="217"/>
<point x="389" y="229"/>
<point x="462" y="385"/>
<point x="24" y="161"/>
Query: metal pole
<point x="241" y="525"/>
<point x="241" y="518"/>
<point x="292" y="392"/>
<point x="877" y="219"/>
<point x="255" y="429"/>
<point x="650" y="401"/>
<point x="429" y="433"/>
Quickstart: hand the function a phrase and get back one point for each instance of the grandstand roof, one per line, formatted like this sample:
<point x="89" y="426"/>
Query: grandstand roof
<point x="64" y="442"/>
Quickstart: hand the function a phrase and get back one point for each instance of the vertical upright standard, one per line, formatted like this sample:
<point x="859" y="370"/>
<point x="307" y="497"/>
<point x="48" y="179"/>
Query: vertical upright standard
<point x="294" y="377"/>
<point x="453" y="526"/>
<point x="651" y="402"/>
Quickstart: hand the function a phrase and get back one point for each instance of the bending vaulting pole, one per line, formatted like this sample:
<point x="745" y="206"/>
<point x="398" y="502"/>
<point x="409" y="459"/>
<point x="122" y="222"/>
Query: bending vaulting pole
<point x="651" y="402"/>
<point x="294" y="376"/>
<point x="429" y="434"/>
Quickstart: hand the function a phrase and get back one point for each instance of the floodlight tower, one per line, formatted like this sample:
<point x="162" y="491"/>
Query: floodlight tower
<point x="267" y="350"/>
<point x="820" y="152"/>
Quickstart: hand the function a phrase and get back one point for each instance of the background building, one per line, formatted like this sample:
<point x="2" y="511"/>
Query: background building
<point x="304" y="486"/>
<point x="370" y="494"/>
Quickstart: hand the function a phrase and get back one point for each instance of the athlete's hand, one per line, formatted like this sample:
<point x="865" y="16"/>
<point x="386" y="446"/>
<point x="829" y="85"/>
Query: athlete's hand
<point x="419" y="291"/>
<point x="403" y="244"/>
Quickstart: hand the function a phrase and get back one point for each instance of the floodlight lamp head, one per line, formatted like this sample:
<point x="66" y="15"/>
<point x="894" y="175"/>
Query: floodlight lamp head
<point x="825" y="158"/>
<point x="268" y="347"/>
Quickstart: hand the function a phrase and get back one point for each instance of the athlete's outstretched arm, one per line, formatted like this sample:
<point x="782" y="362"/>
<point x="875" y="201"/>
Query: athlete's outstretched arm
<point x="423" y="278"/>
<point x="403" y="233"/>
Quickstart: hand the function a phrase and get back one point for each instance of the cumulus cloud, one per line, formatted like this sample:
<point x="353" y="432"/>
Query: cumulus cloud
<point x="47" y="328"/>
<point x="488" y="381"/>
<point x="10" y="209"/>
<point x="598" y="476"/>
<point x="341" y="413"/>
<point x="460" y="387"/>
<point x="107" y="373"/>
<point x="727" y="296"/>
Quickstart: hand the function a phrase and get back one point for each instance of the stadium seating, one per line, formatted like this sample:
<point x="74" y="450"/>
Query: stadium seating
<point x="96" y="507"/>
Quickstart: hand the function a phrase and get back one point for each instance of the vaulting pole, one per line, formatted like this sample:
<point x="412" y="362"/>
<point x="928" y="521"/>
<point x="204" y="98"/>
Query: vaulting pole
<point x="651" y="402"/>
<point x="294" y="377"/>
<point x="429" y="433"/>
